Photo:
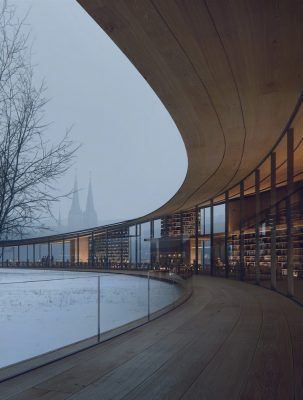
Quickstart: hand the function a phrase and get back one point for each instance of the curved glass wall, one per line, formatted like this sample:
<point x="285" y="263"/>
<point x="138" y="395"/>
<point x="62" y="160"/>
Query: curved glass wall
<point x="252" y="232"/>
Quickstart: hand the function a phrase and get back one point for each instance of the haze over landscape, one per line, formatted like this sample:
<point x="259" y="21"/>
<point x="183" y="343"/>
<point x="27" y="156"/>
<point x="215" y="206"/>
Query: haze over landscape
<point x="129" y="142"/>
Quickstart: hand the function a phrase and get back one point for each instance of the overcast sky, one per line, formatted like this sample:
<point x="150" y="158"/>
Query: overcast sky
<point x="130" y="143"/>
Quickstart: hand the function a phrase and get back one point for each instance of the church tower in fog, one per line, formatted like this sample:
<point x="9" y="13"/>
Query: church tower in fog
<point x="90" y="215"/>
<point x="75" y="215"/>
<point x="78" y="219"/>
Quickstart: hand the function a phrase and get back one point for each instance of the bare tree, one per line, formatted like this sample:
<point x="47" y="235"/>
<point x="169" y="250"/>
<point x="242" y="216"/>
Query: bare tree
<point x="30" y="165"/>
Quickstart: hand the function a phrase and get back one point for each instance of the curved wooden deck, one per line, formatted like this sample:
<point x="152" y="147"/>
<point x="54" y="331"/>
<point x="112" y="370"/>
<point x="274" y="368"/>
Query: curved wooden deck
<point x="231" y="340"/>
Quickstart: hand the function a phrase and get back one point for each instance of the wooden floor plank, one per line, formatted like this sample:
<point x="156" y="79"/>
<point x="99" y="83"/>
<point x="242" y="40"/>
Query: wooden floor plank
<point x="272" y="361"/>
<point x="177" y="375"/>
<point x="223" y="376"/>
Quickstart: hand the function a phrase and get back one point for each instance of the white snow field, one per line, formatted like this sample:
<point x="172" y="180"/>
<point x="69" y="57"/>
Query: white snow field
<point x="44" y="310"/>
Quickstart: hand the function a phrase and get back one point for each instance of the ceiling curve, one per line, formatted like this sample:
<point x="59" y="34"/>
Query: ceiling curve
<point x="228" y="72"/>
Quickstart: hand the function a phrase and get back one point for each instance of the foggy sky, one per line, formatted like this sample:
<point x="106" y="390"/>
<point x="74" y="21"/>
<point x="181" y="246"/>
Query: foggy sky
<point x="130" y="143"/>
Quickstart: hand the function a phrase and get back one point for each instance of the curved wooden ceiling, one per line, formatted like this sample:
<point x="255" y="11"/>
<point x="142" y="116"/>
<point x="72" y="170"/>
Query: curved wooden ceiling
<point x="229" y="72"/>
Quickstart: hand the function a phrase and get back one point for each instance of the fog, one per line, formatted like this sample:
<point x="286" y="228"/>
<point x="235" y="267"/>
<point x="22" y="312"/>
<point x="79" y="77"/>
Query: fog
<point x="130" y="144"/>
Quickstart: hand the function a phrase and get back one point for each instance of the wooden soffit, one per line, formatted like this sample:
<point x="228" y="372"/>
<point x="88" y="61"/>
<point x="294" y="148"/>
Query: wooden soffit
<point x="228" y="72"/>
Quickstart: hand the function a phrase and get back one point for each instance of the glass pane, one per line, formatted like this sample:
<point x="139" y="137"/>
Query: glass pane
<point x="206" y="220"/>
<point x="163" y="294"/>
<point x="63" y="309"/>
<point x="133" y="247"/>
<point x="219" y="218"/>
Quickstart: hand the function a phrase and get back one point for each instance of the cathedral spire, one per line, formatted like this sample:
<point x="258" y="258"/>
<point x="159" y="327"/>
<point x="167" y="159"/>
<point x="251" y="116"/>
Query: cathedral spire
<point x="90" y="215"/>
<point x="75" y="215"/>
<point x="75" y="202"/>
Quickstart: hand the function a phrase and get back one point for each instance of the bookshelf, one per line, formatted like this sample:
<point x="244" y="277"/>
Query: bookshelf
<point x="265" y="245"/>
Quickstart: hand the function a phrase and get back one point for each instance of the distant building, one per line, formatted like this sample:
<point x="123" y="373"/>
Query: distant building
<point x="78" y="219"/>
<point x="90" y="217"/>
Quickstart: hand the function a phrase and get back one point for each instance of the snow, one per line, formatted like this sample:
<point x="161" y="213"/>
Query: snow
<point x="44" y="310"/>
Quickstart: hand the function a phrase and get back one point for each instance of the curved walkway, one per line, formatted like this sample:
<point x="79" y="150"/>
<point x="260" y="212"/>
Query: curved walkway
<point x="231" y="340"/>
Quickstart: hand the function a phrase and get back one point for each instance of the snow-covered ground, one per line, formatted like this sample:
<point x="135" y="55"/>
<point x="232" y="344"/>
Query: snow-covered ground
<point x="44" y="310"/>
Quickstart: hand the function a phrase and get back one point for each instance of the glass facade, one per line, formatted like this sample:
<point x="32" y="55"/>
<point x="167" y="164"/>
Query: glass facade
<point x="251" y="232"/>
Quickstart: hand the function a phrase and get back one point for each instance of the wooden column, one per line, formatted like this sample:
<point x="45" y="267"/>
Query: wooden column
<point x="226" y="235"/>
<point x="273" y="200"/>
<point x="257" y="226"/>
<point x="289" y="221"/>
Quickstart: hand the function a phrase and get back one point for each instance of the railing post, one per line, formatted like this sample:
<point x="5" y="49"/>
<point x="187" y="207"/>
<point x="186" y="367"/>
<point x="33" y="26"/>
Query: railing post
<point x="257" y="226"/>
<point x="106" y="250"/>
<point x="99" y="306"/>
<point x="148" y="296"/>
<point x="181" y="238"/>
<point x="290" y="184"/>
<point x="2" y="257"/>
<point x="273" y="256"/>
<point x="27" y="261"/>
<point x="78" y="251"/>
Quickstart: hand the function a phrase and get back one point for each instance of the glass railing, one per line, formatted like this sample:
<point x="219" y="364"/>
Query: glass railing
<point x="46" y="315"/>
